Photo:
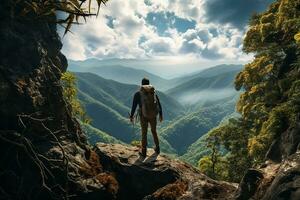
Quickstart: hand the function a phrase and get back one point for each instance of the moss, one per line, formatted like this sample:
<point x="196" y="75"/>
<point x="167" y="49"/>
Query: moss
<point x="136" y="143"/>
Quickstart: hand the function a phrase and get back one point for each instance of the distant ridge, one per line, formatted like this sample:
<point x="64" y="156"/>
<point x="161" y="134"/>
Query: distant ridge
<point x="125" y="71"/>
<point x="209" y="85"/>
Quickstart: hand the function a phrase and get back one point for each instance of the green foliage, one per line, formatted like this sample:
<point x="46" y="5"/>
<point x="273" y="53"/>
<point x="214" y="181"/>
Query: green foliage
<point x="270" y="101"/>
<point x="213" y="164"/>
<point x="95" y="135"/>
<point x="74" y="9"/>
<point x="268" y="81"/>
<point x="215" y="169"/>
<point x="136" y="143"/>
<point x="227" y="149"/>
<point x="186" y="130"/>
<point x="118" y="96"/>
<point x="68" y="81"/>
<point x="196" y="151"/>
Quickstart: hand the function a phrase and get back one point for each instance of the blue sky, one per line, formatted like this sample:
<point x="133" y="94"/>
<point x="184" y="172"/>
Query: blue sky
<point x="210" y="31"/>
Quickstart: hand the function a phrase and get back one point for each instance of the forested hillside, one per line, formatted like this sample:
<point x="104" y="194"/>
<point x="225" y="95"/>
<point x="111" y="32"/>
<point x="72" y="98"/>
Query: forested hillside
<point x="206" y="89"/>
<point x="269" y="105"/>
<point x="206" y="73"/>
<point x="110" y="101"/>
<point x="119" y="96"/>
<point x="186" y="130"/>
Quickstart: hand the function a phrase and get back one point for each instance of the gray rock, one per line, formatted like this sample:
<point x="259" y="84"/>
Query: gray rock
<point x="156" y="175"/>
<point x="286" y="183"/>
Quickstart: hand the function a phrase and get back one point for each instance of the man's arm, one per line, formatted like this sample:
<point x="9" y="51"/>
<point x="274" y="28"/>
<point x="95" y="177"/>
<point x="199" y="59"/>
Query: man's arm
<point x="134" y="103"/>
<point x="160" y="109"/>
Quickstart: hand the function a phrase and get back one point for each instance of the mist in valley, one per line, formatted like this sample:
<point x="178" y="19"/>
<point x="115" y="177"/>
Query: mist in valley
<point x="206" y="95"/>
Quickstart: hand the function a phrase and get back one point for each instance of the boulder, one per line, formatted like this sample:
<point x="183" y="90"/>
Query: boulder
<point x="273" y="181"/>
<point x="157" y="176"/>
<point x="286" y="182"/>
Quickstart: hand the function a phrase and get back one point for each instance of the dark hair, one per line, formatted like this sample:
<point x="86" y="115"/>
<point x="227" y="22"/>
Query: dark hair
<point x="145" y="81"/>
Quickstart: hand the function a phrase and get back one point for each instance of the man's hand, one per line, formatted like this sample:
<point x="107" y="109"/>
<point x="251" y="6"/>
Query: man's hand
<point x="161" y="118"/>
<point x="131" y="119"/>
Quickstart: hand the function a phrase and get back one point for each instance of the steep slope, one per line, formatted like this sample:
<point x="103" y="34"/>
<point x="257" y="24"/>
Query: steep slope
<point x="198" y="149"/>
<point x="118" y="96"/>
<point x="107" y="103"/>
<point x="206" y="73"/>
<point x="95" y="135"/>
<point x="217" y="70"/>
<point x="184" y="131"/>
<point x="114" y="125"/>
<point x="106" y="119"/>
<point x="201" y="90"/>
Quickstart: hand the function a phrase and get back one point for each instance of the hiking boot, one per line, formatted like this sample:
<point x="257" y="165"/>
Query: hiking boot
<point x="143" y="152"/>
<point x="157" y="150"/>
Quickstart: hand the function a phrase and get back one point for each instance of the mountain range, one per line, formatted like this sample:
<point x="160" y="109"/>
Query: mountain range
<point x="123" y="72"/>
<point x="166" y="68"/>
<point x="107" y="103"/>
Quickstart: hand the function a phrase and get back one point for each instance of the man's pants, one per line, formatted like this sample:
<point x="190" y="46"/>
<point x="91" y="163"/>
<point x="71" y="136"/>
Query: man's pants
<point x="144" y="126"/>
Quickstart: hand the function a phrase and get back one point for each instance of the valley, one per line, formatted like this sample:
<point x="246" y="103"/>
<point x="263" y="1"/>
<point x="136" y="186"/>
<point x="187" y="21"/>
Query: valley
<point x="107" y="98"/>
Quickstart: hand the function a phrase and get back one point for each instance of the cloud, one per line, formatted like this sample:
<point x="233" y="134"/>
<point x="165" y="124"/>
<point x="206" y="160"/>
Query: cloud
<point x="234" y="12"/>
<point x="198" y="29"/>
<point x="159" y="45"/>
<point x="211" y="42"/>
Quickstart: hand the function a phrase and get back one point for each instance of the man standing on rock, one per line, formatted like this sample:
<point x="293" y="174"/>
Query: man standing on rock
<point x="149" y="108"/>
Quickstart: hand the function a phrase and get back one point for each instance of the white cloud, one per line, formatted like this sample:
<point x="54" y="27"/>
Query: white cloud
<point x="159" y="45"/>
<point x="130" y="36"/>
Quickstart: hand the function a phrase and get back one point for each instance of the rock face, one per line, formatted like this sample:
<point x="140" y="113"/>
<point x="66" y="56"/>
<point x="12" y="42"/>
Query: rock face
<point x="157" y="177"/>
<point x="279" y="177"/>
<point x="44" y="153"/>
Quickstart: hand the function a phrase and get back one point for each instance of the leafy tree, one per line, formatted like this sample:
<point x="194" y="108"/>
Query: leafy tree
<point x="270" y="103"/>
<point x="68" y="81"/>
<point x="228" y="156"/>
<point x="213" y="164"/>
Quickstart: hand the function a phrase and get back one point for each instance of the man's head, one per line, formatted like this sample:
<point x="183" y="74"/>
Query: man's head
<point x="145" y="81"/>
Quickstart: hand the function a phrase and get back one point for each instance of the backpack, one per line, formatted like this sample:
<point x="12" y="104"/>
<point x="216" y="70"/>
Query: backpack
<point x="149" y="101"/>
